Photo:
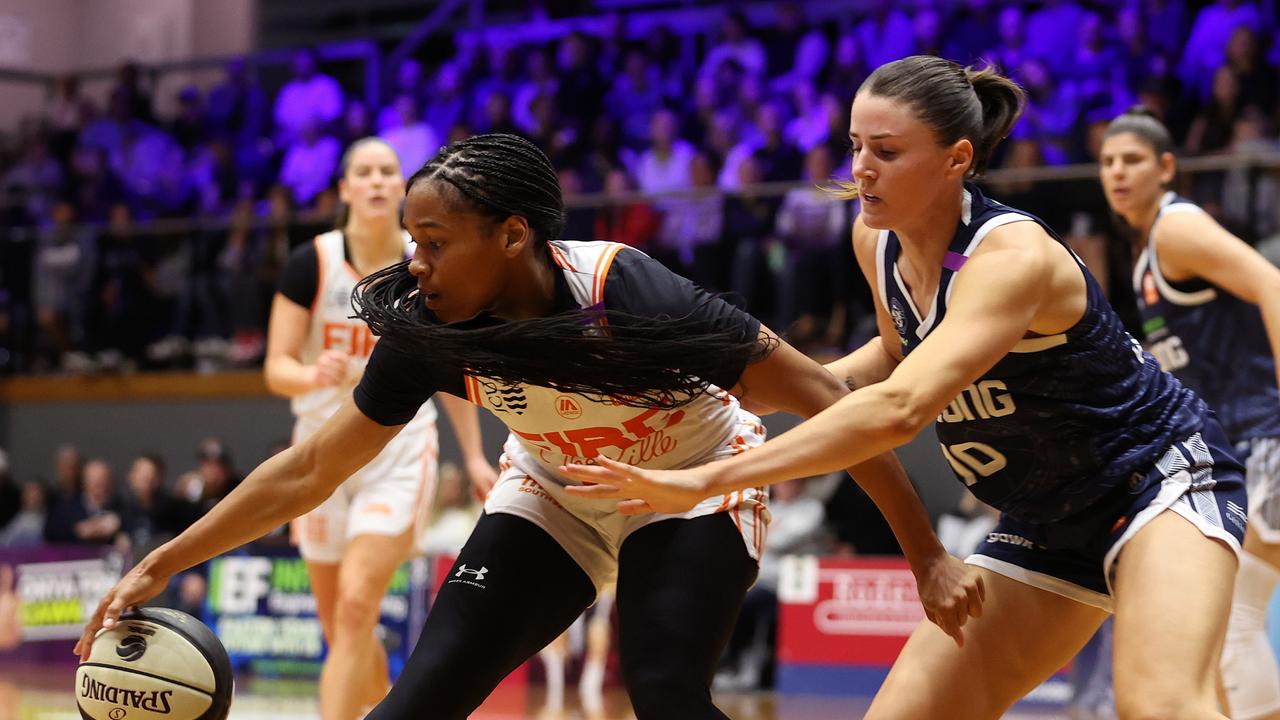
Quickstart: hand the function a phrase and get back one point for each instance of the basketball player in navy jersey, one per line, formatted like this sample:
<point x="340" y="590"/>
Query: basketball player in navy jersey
<point x="1116" y="492"/>
<point x="1210" y="305"/>
<point x="581" y="349"/>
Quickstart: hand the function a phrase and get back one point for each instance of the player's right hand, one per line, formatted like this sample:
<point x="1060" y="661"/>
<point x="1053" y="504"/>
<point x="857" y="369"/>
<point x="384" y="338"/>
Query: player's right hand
<point x="138" y="585"/>
<point x="330" y="368"/>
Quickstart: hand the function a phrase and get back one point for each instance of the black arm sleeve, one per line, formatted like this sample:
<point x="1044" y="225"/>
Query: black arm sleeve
<point x="639" y="285"/>
<point x="396" y="384"/>
<point x="300" y="277"/>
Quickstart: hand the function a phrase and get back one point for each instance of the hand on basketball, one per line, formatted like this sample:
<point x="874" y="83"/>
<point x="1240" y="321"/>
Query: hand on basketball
<point x="137" y="586"/>
<point x="639" y="490"/>
<point x="330" y="368"/>
<point x="483" y="477"/>
<point x="951" y="593"/>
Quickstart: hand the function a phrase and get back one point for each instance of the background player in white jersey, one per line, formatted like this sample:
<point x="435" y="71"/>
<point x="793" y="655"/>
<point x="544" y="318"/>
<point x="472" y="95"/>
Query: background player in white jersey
<point x="316" y="351"/>
<point x="1115" y="489"/>
<point x="579" y="348"/>
<point x="1210" y="306"/>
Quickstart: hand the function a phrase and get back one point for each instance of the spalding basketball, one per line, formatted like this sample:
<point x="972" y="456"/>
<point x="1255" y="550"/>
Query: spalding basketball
<point x="155" y="664"/>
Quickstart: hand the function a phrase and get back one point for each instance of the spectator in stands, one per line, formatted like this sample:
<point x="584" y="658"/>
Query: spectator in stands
<point x="971" y="32"/>
<point x="124" y="318"/>
<point x="190" y="127"/>
<point x="60" y="287"/>
<point x="409" y="83"/>
<point x="93" y="189"/>
<point x="848" y="67"/>
<point x="37" y="178"/>
<point x="1011" y="48"/>
<point x="884" y="34"/>
<point x="309" y="163"/>
<point x="248" y="276"/>
<point x="310" y="99"/>
<point x="666" y="165"/>
<point x="68" y="473"/>
<point x="692" y="227"/>
<point x="26" y="527"/>
<point x="447" y="104"/>
<point x="91" y="517"/>
<point x="811" y="229"/>
<point x="1052" y="33"/>
<point x="199" y="490"/>
<point x="1257" y="80"/>
<point x="63" y="115"/>
<point x="1206" y="49"/>
<point x="926" y="31"/>
<point x="539" y="82"/>
<point x="626" y="220"/>
<point x="149" y="516"/>
<point x="736" y="43"/>
<point x="412" y="139"/>
<point x="137" y="98"/>
<point x="779" y="160"/>
<point x="237" y="106"/>
<point x="1212" y="127"/>
<point x="1052" y="111"/>
<point x="634" y="98"/>
<point x="582" y="91"/>
<point x="811" y="125"/>
<point x="356" y="123"/>
<point x="748" y="226"/>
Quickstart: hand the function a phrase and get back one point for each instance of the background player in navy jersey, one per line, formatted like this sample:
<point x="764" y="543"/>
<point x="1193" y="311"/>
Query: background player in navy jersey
<point x="1210" y="305"/>
<point x="580" y="349"/>
<point x="354" y="541"/>
<point x="1116" y="494"/>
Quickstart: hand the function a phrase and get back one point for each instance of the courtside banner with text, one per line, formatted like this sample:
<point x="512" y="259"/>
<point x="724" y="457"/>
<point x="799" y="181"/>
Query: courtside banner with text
<point x="843" y="621"/>
<point x="47" y="594"/>
<point x="260" y="605"/>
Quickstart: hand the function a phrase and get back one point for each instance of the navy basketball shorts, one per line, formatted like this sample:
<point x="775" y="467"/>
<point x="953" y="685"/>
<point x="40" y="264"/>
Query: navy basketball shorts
<point x="1198" y="478"/>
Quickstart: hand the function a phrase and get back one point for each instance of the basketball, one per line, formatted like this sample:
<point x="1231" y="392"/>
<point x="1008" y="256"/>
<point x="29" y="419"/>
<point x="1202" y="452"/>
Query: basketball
<point x="155" y="663"/>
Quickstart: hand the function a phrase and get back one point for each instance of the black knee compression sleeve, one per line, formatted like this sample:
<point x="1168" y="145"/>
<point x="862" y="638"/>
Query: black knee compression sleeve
<point x="680" y="586"/>
<point x="512" y="590"/>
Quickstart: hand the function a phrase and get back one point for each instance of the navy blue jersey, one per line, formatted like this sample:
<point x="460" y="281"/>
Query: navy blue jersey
<point x="1060" y="420"/>
<point x="1213" y="341"/>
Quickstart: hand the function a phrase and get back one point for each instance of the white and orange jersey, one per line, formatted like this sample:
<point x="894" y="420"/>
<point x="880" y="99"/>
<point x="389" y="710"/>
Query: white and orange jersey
<point x="333" y="327"/>
<point x="556" y="427"/>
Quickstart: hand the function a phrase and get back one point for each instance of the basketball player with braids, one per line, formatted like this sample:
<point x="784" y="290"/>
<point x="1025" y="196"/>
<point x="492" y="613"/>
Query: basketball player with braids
<point x="1210" y="305"/>
<point x="354" y="541"/>
<point x="1117" y="492"/>
<point x="581" y="349"/>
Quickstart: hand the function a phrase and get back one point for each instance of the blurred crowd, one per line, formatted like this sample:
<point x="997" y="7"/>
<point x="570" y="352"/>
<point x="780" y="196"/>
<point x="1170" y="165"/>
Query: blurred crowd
<point x="92" y="278"/>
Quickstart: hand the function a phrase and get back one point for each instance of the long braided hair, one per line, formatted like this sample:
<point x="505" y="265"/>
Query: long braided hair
<point x="645" y="362"/>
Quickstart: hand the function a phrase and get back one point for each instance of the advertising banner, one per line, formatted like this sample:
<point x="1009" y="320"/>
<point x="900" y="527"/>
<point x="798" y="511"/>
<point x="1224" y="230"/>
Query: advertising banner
<point x="260" y="605"/>
<point x="47" y="594"/>
<point x="843" y="621"/>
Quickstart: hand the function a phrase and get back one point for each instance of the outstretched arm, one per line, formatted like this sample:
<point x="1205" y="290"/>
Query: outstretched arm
<point x="280" y="489"/>
<point x="1195" y="245"/>
<point x="466" y="426"/>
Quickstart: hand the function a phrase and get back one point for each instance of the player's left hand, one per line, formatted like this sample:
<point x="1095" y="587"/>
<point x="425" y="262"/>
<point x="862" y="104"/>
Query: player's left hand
<point x="640" y="490"/>
<point x="951" y="592"/>
<point x="483" y="477"/>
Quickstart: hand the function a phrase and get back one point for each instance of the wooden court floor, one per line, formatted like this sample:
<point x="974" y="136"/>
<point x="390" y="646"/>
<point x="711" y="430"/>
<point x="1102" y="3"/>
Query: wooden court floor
<point x="45" y="693"/>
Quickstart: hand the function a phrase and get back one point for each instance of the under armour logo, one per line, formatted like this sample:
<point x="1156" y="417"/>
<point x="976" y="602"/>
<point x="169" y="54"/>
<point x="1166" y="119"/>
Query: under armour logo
<point x="479" y="574"/>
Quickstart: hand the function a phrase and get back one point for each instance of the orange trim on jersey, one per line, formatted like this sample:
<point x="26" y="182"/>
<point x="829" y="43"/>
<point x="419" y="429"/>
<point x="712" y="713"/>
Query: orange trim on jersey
<point x="559" y="258"/>
<point x="602" y="271"/>
<point x="315" y="301"/>
<point x="473" y="389"/>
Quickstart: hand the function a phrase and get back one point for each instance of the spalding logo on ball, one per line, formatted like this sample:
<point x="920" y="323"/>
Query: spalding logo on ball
<point x="155" y="664"/>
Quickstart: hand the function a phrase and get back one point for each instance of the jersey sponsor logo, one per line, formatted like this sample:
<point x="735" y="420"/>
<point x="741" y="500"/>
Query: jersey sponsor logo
<point x="1010" y="539"/>
<point x="354" y="339"/>
<point x="340" y="297"/>
<point x="504" y="398"/>
<point x="899" y="316"/>
<point x="638" y="439"/>
<point x="568" y="408"/>
<point x="529" y="486"/>
<point x="985" y="399"/>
